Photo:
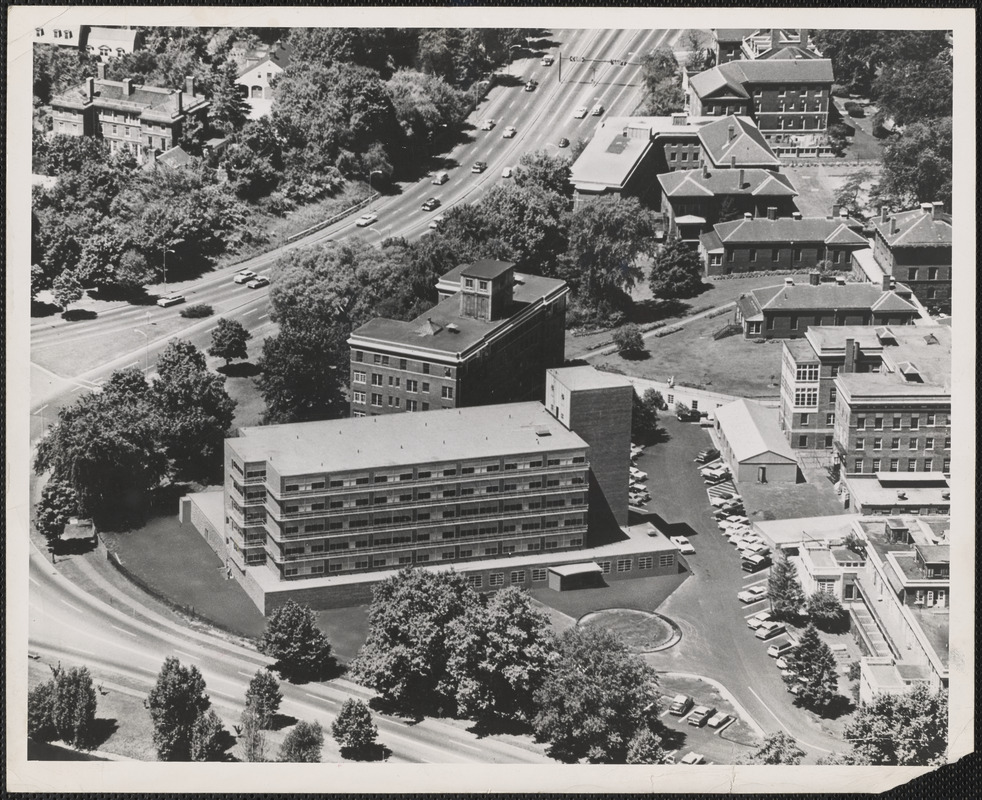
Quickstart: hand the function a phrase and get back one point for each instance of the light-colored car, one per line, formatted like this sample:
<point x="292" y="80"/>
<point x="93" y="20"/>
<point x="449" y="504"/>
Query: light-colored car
<point x="781" y="649"/>
<point x="770" y="629"/>
<point x="638" y="475"/>
<point x="488" y="125"/>
<point x="170" y="300"/>
<point x="479" y="166"/>
<point x="366" y="219"/>
<point x="547" y="60"/>
<point x="700" y="715"/>
<point x="683" y="544"/>
<point x="258" y="283"/>
<point x="580" y="112"/>
<point x="509" y="132"/>
<point x="692" y="758"/>
<point x="680" y="705"/>
<point x="245" y="276"/>
<point x="506" y="172"/>
<point x="752" y="595"/>
<point x="718" y="720"/>
<point x="781" y="663"/>
<point x="758" y="619"/>
<point x="598" y="109"/>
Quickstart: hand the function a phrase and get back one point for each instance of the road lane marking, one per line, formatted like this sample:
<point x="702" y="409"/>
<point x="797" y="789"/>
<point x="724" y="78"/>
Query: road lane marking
<point x="783" y="726"/>
<point x="134" y="364"/>
<point x="33" y="581"/>
<point x="183" y="653"/>
<point x="470" y="747"/>
<point x="73" y="607"/>
<point x="264" y="316"/>
<point x="123" y="630"/>
<point x="247" y="674"/>
<point x="253" y="311"/>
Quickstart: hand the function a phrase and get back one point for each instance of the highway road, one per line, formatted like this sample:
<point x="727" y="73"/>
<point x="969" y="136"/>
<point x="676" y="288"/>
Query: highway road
<point x="67" y="623"/>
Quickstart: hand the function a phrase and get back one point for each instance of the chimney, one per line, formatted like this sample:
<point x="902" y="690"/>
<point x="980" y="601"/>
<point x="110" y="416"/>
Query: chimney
<point x="180" y="101"/>
<point x="893" y="225"/>
<point x="189" y="85"/>
<point x="705" y="170"/>
<point x="814" y="278"/>
<point x="849" y="365"/>
<point x="836" y="210"/>
<point x="101" y="71"/>
<point x="730" y="133"/>
<point x="90" y="87"/>
<point x="127" y="86"/>
<point x="795" y="215"/>
<point x="732" y="162"/>
<point x="741" y="178"/>
<point x="884" y="214"/>
<point x="887" y="283"/>
<point x="771" y="212"/>
<point x="928" y="208"/>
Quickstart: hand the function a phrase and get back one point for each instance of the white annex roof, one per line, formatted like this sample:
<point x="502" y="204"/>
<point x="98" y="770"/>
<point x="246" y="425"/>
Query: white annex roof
<point x="565" y="570"/>
<point x="752" y="431"/>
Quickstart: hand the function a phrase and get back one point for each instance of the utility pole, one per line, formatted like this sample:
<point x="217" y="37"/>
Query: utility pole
<point x="560" y="67"/>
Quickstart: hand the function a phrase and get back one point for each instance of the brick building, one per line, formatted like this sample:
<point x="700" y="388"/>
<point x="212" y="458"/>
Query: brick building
<point x="861" y="392"/>
<point x="728" y="43"/>
<point x="915" y="247"/>
<point x="694" y="200"/>
<point x="769" y="241"/>
<point x="786" y="312"/>
<point x="146" y="120"/>
<point x="489" y="340"/>
<point x="733" y="44"/>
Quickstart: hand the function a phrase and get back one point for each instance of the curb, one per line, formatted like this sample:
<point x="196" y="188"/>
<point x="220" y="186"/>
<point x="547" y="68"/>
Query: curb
<point x="727" y="694"/>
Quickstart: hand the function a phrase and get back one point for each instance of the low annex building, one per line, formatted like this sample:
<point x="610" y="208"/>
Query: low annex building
<point x="786" y="312"/>
<point x="752" y="444"/>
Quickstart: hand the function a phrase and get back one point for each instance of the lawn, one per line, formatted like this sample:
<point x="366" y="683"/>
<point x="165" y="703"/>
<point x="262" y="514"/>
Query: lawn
<point x="788" y="500"/>
<point x="640" y="631"/>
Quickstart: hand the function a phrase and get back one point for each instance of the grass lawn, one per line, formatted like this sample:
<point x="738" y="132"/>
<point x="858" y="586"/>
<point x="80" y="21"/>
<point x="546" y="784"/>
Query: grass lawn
<point x="788" y="500"/>
<point x="733" y="365"/>
<point x="640" y="631"/>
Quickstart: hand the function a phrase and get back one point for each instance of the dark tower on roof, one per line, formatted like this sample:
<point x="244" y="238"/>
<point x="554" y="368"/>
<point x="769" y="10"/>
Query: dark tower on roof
<point x="486" y="289"/>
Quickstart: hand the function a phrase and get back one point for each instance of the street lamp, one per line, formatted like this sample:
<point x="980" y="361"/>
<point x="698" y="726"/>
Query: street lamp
<point x="370" y="198"/>
<point x="147" y="343"/>
<point x="166" y="250"/>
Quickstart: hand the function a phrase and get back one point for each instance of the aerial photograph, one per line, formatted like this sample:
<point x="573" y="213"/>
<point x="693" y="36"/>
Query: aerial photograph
<point x="490" y="396"/>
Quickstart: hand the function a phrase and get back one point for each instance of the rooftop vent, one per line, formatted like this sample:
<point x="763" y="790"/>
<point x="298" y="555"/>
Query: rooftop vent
<point x="543" y="432"/>
<point x="795" y="215"/>
<point x="840" y="280"/>
<point x="931" y="339"/>
<point x="453" y="328"/>
<point x="901" y="495"/>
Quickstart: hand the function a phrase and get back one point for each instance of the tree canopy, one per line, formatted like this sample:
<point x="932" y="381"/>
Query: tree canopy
<point x="813" y="669"/>
<point x="777" y="748"/>
<point x="175" y="702"/>
<point x="228" y="340"/>
<point x="644" y="416"/>
<point x="63" y="708"/>
<point x="917" y="166"/>
<point x="676" y="271"/>
<point x="907" y="729"/>
<point x="264" y="697"/>
<point x="303" y="744"/>
<point x="353" y="728"/>
<point x="292" y="637"/>
<point x="784" y="590"/>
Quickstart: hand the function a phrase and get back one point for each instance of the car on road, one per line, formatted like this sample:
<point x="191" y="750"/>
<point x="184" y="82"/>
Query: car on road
<point x="770" y="629"/>
<point x="509" y="132"/>
<point x="479" y="166"/>
<point x="564" y="142"/>
<point x="547" y="61"/>
<point x="752" y="595"/>
<point x="781" y="649"/>
<point x="638" y="475"/>
<point x="506" y="172"/>
<point x="437" y="221"/>
<point x="245" y="276"/>
<point x="431" y="205"/>
<point x="598" y="109"/>
<point x="488" y="125"/>
<point x="718" y="720"/>
<point x="680" y="705"/>
<point x="170" y="300"/>
<point x="683" y="544"/>
<point x="636" y="450"/>
<point x="532" y="85"/>
<point x="580" y="112"/>
<point x="758" y="619"/>
<point x="258" y="283"/>
<point x="693" y="758"/>
<point x="701" y="715"/>
<point x="441" y="178"/>
<point x="366" y="219"/>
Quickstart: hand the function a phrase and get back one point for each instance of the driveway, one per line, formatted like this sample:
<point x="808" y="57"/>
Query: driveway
<point x="716" y="641"/>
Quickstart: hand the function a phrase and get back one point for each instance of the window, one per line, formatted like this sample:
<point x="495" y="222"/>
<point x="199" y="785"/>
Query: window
<point x="807" y="398"/>
<point x="646" y="562"/>
<point x="896" y="423"/>
<point x="806" y="372"/>
<point x="731" y="256"/>
<point x="695" y="405"/>
<point x="797" y="254"/>
<point x="894" y="465"/>
<point x="929" y="443"/>
<point x="915" y="423"/>
<point x="929" y="420"/>
<point x="666" y="560"/>
<point x="752" y="256"/>
<point x="518" y="576"/>
<point x="802" y="441"/>
<point x="426" y="387"/>
<point x="877" y="423"/>
<point x="875" y="466"/>
<point x="376" y="400"/>
<point x="402" y="363"/>
<point x="830" y="419"/>
<point x="496" y="579"/>
<point x="895" y="443"/>
<point x="447" y="392"/>
<point x="539" y="574"/>
<point x="794" y="323"/>
<point x="377" y="358"/>
<point x="605" y="567"/>
<point x="825" y="586"/>
<point x="625" y="564"/>
<point x="412" y="405"/>
<point x="482" y="285"/>
<point x="932" y="273"/>
<point x="912" y="444"/>
<point x="476" y="581"/>
<point x="877" y="443"/>
<point x="946" y="465"/>
<point x="775" y="254"/>
<point x="411" y="385"/>
<point x="861" y="443"/>
<point x="947" y="443"/>
<point x="912" y="274"/>
<point x="358" y="377"/>
<point x="393" y="381"/>
<point x="860" y="422"/>
<point x="376" y="380"/>
<point x="857" y="465"/>
<point x="358" y="397"/>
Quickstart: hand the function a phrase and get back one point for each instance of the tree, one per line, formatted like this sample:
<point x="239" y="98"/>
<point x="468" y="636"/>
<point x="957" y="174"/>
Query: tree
<point x="426" y="107"/>
<point x="825" y="610"/>
<point x="907" y="729"/>
<point x="546" y="172"/>
<point x="777" y="748"/>
<point x="499" y="654"/>
<point x="729" y="210"/>
<point x="228" y="340"/>
<point x="525" y="223"/>
<point x="917" y="167"/>
<point x="353" y="728"/>
<point x="264" y="697"/>
<point x="665" y="98"/>
<point x="812" y="668"/>
<point x="67" y="288"/>
<point x="916" y="91"/>
<point x="58" y="503"/>
<point x="227" y="109"/>
<point x="660" y="73"/>
<point x="292" y="637"/>
<point x="195" y="410"/>
<point x="40" y="709"/>
<point x="838" y="137"/>
<point x="628" y="341"/>
<point x="303" y="744"/>
<point x="175" y="702"/>
<point x="837" y="760"/>
<point x="644" y="417"/>
<point x="74" y="706"/>
<point x="595" y="699"/>
<point x="406" y="652"/>
<point x="252" y="738"/>
<point x="208" y="737"/>
<point x="784" y="591"/>
<point x="676" y="271"/>
<point x="645" y="748"/>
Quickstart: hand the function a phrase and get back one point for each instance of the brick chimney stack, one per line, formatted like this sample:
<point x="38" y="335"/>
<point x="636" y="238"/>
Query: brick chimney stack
<point x="100" y="71"/>
<point x="887" y="282"/>
<point x="705" y="170"/>
<point x="180" y="101"/>
<point x="774" y="38"/>
<point x="772" y="212"/>
<point x="732" y="162"/>
<point x="90" y="88"/>
<point x="835" y="210"/>
<point x="884" y="214"/>
<point x="127" y="86"/>
<point x="741" y="178"/>
<point x="731" y="133"/>
<point x="189" y="85"/>
<point x="849" y="365"/>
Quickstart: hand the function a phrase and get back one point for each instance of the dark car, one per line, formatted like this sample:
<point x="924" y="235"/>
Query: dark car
<point x="479" y="166"/>
<point x="431" y="204"/>
<point x="531" y="85"/>
<point x="564" y="142"/>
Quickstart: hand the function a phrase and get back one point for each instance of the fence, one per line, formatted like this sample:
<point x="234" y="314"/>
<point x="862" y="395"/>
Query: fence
<point x="336" y="218"/>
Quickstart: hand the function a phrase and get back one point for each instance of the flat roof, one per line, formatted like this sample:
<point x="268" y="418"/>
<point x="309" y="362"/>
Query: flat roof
<point x="391" y="440"/>
<point x="752" y="430"/>
<point x="932" y="342"/>
<point x="824" y="529"/>
<point x="487" y="268"/>
<point x="867" y="490"/>
<point x="588" y="377"/>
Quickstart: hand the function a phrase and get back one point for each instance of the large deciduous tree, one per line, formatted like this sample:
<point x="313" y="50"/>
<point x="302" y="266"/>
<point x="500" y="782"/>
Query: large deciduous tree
<point x="917" y="167"/>
<point x="595" y="699"/>
<point x="628" y="340"/>
<point x="676" y="271"/>
<point x="906" y="729"/>
<point x="777" y="748"/>
<point x="644" y="417"/>
<point x="292" y="637"/>
<point x="58" y="503"/>
<point x="646" y="748"/>
<point x="228" y="340"/>
<point x="784" y="590"/>
<point x="303" y="744"/>
<point x="264" y="696"/>
<point x="175" y="702"/>
<point x="353" y="728"/>
<point x="812" y="668"/>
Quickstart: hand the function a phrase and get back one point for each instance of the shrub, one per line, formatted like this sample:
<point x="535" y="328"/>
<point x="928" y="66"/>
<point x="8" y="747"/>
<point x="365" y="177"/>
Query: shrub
<point x="197" y="311"/>
<point x="628" y="340"/>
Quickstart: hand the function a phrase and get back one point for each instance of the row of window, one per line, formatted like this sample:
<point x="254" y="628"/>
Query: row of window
<point x="412" y="385"/>
<point x="804" y="420"/>
<point x="375" y="400"/>
<point x="930" y="420"/>
<point x="901" y="465"/>
<point x="931" y="272"/>
<point x="912" y="444"/>
<point x="797" y="254"/>
<point x="801" y="91"/>
<point x="401" y="363"/>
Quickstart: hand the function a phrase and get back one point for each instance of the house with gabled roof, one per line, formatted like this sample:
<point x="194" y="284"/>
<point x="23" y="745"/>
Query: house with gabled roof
<point x="752" y="445"/>
<point x="260" y="70"/>
<point x="915" y="247"/>
<point x="781" y="243"/>
<point x="694" y="200"/>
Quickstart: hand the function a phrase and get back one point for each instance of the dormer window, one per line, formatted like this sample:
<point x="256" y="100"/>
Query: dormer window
<point x="39" y="31"/>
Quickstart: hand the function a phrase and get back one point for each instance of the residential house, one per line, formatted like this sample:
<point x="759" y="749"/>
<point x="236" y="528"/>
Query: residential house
<point x="259" y="72"/>
<point x="915" y="247"/>
<point x="110" y="43"/>
<point x="775" y="243"/>
<point x="490" y="339"/>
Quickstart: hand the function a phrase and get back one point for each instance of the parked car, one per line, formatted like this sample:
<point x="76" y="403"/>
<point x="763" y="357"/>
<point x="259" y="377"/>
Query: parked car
<point x="769" y="630"/>
<point x="680" y="705"/>
<point x="258" y="283"/>
<point x="707" y="455"/>
<point x="752" y="595"/>
<point x="700" y="715"/>
<point x="506" y="172"/>
<point x="479" y="166"/>
<point x="170" y="300"/>
<point x="244" y="276"/>
<point x="637" y="449"/>
<point x="509" y="133"/>
<point x="366" y="219"/>
<point x="693" y="758"/>
<point x="683" y="544"/>
<point x="715" y="474"/>
<point x="431" y="205"/>
<point x="718" y="720"/>
<point x="638" y="475"/>
<point x="781" y="649"/>
<point x="488" y="124"/>
<point x="758" y="619"/>
<point x="756" y="549"/>
<point x="564" y="142"/>
<point x="780" y="662"/>
<point x="547" y="61"/>
<point x="598" y="109"/>
<point x="755" y="562"/>
<point x="580" y="112"/>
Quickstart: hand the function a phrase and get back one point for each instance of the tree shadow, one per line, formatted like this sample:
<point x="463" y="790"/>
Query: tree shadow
<point x="635" y="355"/>
<point x="115" y="293"/>
<point x="78" y="314"/>
<point x="652" y="310"/>
<point x="838" y="707"/>
<point x="102" y="728"/>
<point x="40" y="309"/>
<point x="411" y="715"/>
<point x="374" y="752"/>
<point x="507" y="79"/>
<point x="242" y="369"/>
<point x="226" y="741"/>
<point x="281" y="721"/>
<point x="671" y="738"/>
<point x="494" y="726"/>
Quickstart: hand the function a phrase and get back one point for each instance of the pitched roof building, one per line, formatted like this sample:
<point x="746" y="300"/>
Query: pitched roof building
<point x="260" y="70"/>
<point x="752" y="444"/>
